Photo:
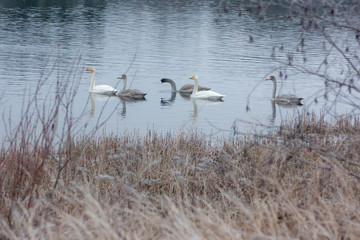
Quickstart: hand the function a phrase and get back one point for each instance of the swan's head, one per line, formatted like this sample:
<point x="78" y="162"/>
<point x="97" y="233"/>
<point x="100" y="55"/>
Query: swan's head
<point x="271" y="78"/>
<point x="91" y="69"/>
<point x="122" y="77"/>
<point x="165" y="80"/>
<point x="195" y="77"/>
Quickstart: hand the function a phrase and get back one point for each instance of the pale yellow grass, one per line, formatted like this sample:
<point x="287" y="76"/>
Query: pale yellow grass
<point x="300" y="183"/>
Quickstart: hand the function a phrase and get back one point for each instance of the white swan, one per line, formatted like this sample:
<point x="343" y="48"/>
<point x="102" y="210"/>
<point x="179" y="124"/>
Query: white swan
<point x="187" y="88"/>
<point x="130" y="93"/>
<point x="210" y="95"/>
<point x="99" y="89"/>
<point x="287" y="99"/>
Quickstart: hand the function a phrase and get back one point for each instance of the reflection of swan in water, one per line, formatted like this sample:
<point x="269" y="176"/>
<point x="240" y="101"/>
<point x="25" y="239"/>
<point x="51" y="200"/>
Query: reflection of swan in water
<point x="170" y="101"/>
<point x="201" y="103"/>
<point x="128" y="100"/>
<point x="98" y="98"/>
<point x="187" y="88"/>
<point x="130" y="93"/>
<point x="196" y="111"/>
<point x="286" y="99"/>
<point x="209" y="95"/>
<point x="99" y="89"/>
<point x="282" y="105"/>
<point x="273" y="108"/>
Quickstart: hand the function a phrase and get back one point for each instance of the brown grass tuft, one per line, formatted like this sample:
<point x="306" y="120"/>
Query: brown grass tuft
<point x="300" y="183"/>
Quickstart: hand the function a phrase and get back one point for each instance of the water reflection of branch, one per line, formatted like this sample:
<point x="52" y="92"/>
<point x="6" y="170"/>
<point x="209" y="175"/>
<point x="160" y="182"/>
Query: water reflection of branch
<point x="235" y="129"/>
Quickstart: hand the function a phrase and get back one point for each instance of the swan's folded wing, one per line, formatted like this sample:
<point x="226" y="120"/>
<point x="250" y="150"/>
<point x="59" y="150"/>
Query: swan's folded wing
<point x="104" y="89"/>
<point x="208" y="95"/>
<point x="131" y="93"/>
<point x="288" y="97"/>
<point x="187" y="88"/>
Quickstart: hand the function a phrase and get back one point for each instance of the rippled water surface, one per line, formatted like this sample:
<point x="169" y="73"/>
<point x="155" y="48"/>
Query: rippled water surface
<point x="44" y="48"/>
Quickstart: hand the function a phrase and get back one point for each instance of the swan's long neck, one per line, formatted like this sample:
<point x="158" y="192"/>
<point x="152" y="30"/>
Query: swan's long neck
<point x="173" y="86"/>
<point x="196" y="86"/>
<point x="124" y="85"/>
<point x="274" y="89"/>
<point x="93" y="80"/>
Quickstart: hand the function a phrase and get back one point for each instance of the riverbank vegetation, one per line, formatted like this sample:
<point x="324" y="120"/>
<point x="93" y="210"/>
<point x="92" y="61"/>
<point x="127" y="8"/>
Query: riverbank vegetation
<point x="301" y="182"/>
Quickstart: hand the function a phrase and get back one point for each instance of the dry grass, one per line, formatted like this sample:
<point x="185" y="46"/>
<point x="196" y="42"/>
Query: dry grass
<point x="300" y="183"/>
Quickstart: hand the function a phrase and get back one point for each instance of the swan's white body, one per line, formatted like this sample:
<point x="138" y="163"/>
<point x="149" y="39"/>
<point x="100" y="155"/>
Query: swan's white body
<point x="130" y="93"/>
<point x="187" y="88"/>
<point x="285" y="99"/>
<point x="209" y="95"/>
<point x="99" y="89"/>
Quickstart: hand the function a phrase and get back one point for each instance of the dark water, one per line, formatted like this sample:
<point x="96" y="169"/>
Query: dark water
<point x="51" y="44"/>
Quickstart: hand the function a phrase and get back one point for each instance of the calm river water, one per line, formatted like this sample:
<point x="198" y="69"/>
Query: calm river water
<point x="50" y="45"/>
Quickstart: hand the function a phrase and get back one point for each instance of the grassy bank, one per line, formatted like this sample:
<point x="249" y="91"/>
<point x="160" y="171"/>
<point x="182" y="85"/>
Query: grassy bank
<point x="301" y="182"/>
